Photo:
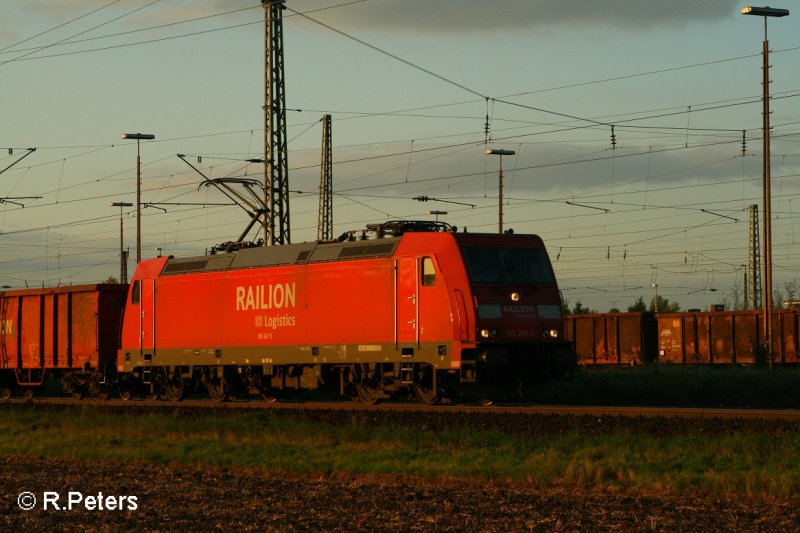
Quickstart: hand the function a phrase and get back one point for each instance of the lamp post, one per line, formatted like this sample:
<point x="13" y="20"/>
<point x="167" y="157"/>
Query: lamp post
<point x="123" y="257"/>
<point x="766" y="174"/>
<point x="655" y="300"/>
<point x="501" y="153"/>
<point x="139" y="137"/>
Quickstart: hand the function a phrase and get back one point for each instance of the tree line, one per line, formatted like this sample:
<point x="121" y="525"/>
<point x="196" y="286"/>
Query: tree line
<point x="658" y="303"/>
<point x="734" y="301"/>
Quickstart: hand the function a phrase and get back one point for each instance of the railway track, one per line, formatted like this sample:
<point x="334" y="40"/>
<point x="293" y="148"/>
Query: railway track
<point x="790" y="415"/>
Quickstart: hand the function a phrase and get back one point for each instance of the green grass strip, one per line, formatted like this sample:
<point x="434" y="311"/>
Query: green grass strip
<point x="738" y="462"/>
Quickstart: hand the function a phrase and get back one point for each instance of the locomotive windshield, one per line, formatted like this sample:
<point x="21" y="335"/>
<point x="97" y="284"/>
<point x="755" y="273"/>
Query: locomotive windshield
<point x="508" y="265"/>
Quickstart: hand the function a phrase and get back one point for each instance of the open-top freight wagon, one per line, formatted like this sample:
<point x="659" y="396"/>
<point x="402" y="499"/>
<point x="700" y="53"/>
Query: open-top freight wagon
<point x="72" y="332"/>
<point x="691" y="338"/>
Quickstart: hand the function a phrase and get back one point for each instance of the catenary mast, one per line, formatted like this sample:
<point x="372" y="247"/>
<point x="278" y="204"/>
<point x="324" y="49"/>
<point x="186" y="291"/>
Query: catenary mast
<point x="276" y="171"/>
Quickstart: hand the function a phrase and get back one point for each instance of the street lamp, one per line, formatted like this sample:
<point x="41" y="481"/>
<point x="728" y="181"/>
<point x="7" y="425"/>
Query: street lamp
<point x="767" y="254"/>
<point x="501" y="153"/>
<point x="655" y="301"/>
<point x="123" y="257"/>
<point x="139" y="137"/>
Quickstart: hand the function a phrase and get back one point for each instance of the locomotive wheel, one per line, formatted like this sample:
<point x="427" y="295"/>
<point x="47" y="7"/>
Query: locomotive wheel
<point x="104" y="394"/>
<point x="363" y="383"/>
<point x="218" y="387"/>
<point x="174" y="389"/>
<point x="368" y="395"/>
<point x="426" y="395"/>
<point x="218" y="390"/>
<point x="269" y="395"/>
<point x="126" y="386"/>
<point x="6" y="392"/>
<point x="425" y="388"/>
<point x="78" y="393"/>
<point x="28" y="394"/>
<point x="158" y="384"/>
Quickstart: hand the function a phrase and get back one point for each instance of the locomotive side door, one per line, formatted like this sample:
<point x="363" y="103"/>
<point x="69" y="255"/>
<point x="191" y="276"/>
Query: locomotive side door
<point x="147" y="319"/>
<point x="407" y="301"/>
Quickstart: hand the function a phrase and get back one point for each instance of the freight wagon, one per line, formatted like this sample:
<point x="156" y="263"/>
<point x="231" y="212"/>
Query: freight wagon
<point x="613" y="338"/>
<point x="728" y="337"/>
<point x="72" y="332"/>
<point x="706" y="338"/>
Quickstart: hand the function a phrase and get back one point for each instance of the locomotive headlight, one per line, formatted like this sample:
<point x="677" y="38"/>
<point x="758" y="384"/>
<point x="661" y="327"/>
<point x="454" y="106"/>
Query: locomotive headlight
<point x="487" y="333"/>
<point x="552" y="333"/>
<point x="514" y="296"/>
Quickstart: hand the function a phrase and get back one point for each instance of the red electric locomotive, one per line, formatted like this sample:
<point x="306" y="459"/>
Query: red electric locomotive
<point x="420" y="308"/>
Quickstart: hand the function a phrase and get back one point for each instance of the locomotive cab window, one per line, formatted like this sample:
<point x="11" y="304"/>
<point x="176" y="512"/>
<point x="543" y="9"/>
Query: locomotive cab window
<point x="428" y="272"/>
<point x="529" y="265"/>
<point x="136" y="292"/>
<point x="507" y="265"/>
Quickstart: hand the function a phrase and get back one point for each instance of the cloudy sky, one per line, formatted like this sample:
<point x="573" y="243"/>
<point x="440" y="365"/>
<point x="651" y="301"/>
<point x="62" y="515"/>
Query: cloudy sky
<point x="409" y="85"/>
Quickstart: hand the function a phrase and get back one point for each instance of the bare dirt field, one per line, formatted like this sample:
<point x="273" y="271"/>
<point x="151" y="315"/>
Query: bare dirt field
<point x="180" y="498"/>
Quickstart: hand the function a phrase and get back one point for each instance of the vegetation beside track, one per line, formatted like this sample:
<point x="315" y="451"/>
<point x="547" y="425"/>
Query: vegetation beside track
<point x="642" y="455"/>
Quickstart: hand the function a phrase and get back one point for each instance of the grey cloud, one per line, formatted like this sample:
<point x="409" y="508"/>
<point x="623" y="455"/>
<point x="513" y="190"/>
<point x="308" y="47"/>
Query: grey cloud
<point x="431" y="17"/>
<point x="424" y="16"/>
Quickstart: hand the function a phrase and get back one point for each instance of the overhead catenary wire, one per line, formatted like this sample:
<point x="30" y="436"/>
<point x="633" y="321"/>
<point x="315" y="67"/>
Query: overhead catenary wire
<point x="645" y="124"/>
<point x="66" y="39"/>
<point x="14" y="45"/>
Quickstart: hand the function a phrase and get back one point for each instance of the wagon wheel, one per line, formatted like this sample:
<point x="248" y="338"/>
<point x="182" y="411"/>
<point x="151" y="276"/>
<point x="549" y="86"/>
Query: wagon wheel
<point x="78" y="387"/>
<point x="174" y="389"/>
<point x="6" y="392"/>
<point x="28" y="394"/>
<point x="78" y="392"/>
